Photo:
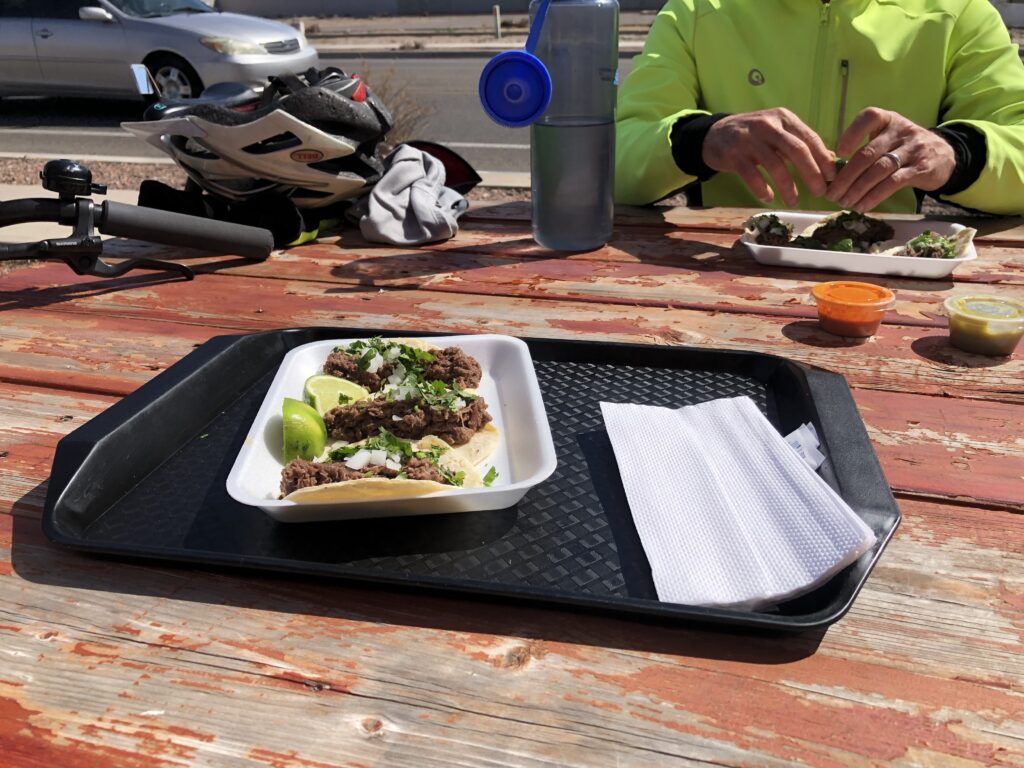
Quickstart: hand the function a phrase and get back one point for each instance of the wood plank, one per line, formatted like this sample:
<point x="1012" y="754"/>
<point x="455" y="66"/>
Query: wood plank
<point x="945" y="447"/>
<point x="109" y="662"/>
<point x="700" y="253"/>
<point x="990" y="229"/>
<point x="32" y="421"/>
<point x="900" y="358"/>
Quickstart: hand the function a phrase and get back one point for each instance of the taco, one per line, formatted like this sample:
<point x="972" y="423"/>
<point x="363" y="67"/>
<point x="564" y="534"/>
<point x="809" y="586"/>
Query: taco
<point x="378" y="363"/>
<point x="861" y="231"/>
<point x="929" y="245"/>
<point x="458" y="417"/>
<point x="768" y="229"/>
<point x="381" y="467"/>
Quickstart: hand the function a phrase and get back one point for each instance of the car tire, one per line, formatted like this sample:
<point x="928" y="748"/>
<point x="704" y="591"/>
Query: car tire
<point x="175" y="77"/>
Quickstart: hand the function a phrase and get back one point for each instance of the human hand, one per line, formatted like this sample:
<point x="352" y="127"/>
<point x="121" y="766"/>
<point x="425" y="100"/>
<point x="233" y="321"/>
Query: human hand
<point x="899" y="153"/>
<point x="770" y="138"/>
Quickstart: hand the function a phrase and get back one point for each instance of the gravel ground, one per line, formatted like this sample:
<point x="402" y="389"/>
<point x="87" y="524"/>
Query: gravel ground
<point x="114" y="175"/>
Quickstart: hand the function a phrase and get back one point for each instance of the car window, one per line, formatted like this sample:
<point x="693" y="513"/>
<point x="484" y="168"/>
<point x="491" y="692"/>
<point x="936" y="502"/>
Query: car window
<point x="16" y="8"/>
<point x="57" y="9"/>
<point x="150" y="8"/>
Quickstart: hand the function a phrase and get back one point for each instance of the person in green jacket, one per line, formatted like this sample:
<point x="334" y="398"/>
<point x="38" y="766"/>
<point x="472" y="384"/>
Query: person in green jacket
<point x="757" y="99"/>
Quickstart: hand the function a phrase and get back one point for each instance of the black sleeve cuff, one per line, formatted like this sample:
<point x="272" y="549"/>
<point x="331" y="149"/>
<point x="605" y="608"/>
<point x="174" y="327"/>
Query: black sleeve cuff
<point x="971" y="154"/>
<point x="687" y="139"/>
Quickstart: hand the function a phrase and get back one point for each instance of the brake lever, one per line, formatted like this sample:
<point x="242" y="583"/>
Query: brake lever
<point x="81" y="250"/>
<point x="102" y="268"/>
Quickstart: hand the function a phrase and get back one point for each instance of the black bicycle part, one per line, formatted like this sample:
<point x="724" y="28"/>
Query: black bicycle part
<point x="69" y="179"/>
<point x="81" y="250"/>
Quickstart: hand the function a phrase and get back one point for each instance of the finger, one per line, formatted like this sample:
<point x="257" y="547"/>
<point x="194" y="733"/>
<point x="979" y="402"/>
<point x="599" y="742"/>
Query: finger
<point x="885" y="189"/>
<point x="859" y="164"/>
<point x="781" y="178"/>
<point x="799" y="154"/>
<point x="880" y="170"/>
<point x="755" y="182"/>
<point x="824" y="158"/>
<point x="867" y="125"/>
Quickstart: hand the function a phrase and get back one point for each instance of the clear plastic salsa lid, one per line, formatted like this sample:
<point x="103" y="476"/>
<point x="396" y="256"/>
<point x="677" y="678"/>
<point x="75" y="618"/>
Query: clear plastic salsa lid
<point x="989" y="309"/>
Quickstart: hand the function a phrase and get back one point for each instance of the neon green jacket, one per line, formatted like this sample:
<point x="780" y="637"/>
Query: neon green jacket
<point x="936" y="62"/>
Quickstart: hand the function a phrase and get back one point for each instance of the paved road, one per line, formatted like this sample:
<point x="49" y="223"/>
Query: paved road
<point x="445" y="88"/>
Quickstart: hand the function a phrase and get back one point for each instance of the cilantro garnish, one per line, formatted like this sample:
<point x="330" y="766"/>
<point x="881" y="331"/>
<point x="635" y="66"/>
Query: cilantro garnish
<point x="846" y="244"/>
<point x="343" y="399"/>
<point x="384" y="441"/>
<point x="414" y="360"/>
<point x="437" y="394"/>
<point x="491" y="476"/>
<point x="929" y="244"/>
<point x="366" y="359"/>
<point x="452" y="478"/>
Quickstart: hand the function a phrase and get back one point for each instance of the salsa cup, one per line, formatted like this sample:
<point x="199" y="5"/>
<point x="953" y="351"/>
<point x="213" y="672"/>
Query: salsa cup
<point x="848" y="308"/>
<point x="985" y="325"/>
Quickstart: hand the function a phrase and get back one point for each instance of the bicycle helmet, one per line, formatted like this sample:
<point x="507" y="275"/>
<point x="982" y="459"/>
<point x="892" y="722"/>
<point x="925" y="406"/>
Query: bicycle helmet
<point x="314" y="138"/>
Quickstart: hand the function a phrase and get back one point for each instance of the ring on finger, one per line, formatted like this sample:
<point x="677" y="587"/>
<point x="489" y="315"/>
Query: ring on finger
<point x="896" y="159"/>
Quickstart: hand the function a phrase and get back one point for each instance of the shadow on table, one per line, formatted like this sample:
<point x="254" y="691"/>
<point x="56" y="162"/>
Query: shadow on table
<point x="36" y="560"/>
<point x="938" y="349"/>
<point x="78" y="287"/>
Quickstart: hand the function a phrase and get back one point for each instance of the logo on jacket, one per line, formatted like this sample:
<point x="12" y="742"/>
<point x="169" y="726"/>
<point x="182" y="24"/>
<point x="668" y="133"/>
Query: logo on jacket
<point x="754" y="77"/>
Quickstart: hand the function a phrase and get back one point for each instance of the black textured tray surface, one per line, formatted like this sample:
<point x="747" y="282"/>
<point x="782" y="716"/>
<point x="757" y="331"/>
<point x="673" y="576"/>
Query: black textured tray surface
<point x="571" y="539"/>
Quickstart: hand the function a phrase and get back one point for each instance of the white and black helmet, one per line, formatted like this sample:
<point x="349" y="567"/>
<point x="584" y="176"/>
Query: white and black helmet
<point x="314" y="138"/>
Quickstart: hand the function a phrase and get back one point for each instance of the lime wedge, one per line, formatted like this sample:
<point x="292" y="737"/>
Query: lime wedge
<point x="305" y="435"/>
<point x="324" y="392"/>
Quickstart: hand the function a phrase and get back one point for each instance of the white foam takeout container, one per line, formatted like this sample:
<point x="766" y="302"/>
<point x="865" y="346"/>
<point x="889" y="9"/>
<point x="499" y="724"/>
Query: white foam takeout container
<point x="525" y="455"/>
<point x="862" y="263"/>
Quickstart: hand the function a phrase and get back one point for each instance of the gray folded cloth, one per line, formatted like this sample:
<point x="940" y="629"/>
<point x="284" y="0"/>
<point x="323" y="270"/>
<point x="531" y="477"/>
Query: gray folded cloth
<point x="410" y="205"/>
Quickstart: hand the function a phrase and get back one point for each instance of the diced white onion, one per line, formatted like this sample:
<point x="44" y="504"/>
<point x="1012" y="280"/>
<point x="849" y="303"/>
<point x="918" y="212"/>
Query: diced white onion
<point x="404" y="393"/>
<point x="459" y="403"/>
<point x="375" y="363"/>
<point x="398" y="376"/>
<point x="358" y="460"/>
<point x="378" y="456"/>
<point x="393" y="465"/>
<point x="393" y="352"/>
<point x="394" y="457"/>
<point x="396" y="417"/>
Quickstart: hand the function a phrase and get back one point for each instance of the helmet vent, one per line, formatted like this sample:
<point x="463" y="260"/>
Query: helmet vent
<point x="285" y="140"/>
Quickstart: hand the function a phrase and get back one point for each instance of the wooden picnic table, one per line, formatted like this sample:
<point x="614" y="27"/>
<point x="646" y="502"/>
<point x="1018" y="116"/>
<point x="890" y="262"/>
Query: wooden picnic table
<point x="108" y="662"/>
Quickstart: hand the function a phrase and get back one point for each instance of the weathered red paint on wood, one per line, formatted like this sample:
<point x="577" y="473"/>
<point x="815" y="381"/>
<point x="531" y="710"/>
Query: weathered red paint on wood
<point x="114" y="663"/>
<point x="1007" y="230"/>
<point x="899" y="358"/>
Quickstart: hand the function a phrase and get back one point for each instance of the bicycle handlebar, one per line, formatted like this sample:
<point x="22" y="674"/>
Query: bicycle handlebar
<point x="170" y="228"/>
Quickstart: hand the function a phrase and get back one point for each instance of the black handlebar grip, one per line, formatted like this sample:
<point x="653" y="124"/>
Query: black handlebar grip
<point x="158" y="226"/>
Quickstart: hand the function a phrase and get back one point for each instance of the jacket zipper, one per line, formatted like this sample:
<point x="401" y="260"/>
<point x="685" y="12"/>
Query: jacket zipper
<point x="844" y="76"/>
<point x="819" y="61"/>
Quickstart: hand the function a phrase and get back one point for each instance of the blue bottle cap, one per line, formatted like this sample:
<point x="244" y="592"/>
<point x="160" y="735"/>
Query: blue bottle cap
<point x="515" y="88"/>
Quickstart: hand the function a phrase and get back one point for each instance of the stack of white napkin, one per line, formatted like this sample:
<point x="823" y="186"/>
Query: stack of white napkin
<point x="729" y="513"/>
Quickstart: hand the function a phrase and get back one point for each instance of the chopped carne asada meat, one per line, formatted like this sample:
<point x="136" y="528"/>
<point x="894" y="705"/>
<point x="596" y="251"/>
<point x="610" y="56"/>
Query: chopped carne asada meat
<point x="862" y="230"/>
<point x="414" y="420"/>
<point x="346" y="366"/>
<point x="306" y="474"/>
<point x="768" y="229"/>
<point x="452" y="365"/>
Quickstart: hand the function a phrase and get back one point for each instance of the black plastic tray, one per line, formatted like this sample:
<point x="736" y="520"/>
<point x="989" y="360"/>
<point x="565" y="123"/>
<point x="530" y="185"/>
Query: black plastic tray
<point x="146" y="478"/>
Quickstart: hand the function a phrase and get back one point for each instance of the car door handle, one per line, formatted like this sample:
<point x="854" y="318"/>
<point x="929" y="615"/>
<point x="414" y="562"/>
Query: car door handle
<point x="45" y="33"/>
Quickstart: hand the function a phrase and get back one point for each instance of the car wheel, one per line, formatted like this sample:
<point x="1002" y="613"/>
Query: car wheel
<point x="175" y="77"/>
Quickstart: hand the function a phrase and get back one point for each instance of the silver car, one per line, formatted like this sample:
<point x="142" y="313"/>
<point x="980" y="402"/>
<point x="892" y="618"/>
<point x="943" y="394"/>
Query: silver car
<point x="86" y="47"/>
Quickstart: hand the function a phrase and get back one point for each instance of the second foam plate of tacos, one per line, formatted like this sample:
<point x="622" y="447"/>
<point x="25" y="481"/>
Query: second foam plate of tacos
<point x="887" y="263"/>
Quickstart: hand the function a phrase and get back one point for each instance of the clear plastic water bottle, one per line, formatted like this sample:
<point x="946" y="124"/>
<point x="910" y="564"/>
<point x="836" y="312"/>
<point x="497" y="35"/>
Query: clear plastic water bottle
<point x="572" y="145"/>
